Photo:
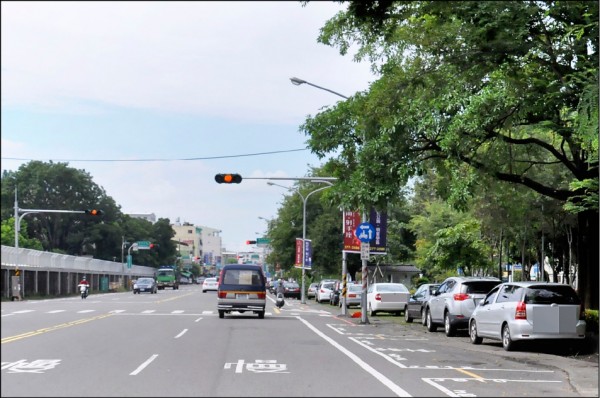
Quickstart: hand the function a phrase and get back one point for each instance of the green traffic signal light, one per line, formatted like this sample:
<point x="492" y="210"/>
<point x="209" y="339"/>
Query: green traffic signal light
<point x="228" y="178"/>
<point x="94" y="212"/>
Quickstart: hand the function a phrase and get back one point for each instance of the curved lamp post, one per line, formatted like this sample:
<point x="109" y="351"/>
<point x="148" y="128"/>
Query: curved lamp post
<point x="363" y="318"/>
<point x="304" y="200"/>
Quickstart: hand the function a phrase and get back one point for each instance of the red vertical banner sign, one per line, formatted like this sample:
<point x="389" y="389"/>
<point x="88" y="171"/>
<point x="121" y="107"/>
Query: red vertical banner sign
<point x="351" y="222"/>
<point x="298" y="262"/>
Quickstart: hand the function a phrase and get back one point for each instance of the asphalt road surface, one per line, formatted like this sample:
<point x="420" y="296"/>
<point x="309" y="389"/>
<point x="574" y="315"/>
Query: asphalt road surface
<point x="174" y="344"/>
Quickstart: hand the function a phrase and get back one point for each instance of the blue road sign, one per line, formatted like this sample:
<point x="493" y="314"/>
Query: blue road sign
<point x="365" y="232"/>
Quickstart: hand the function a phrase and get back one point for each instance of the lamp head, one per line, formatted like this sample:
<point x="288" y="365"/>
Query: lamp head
<point x="297" y="81"/>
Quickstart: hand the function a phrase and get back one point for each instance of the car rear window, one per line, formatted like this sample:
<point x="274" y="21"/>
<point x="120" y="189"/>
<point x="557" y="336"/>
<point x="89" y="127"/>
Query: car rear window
<point x="558" y="294"/>
<point x="479" y="287"/>
<point x="246" y="277"/>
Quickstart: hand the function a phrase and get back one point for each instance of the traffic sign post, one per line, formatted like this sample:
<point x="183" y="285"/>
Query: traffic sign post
<point x="364" y="250"/>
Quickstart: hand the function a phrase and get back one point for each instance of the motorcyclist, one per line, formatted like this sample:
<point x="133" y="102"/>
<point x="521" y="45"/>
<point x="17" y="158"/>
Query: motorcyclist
<point x="84" y="282"/>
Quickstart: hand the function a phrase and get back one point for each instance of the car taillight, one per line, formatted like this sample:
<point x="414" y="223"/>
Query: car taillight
<point x="582" y="312"/>
<point x="378" y="297"/>
<point x="222" y="295"/>
<point x="351" y="295"/>
<point x="521" y="311"/>
<point x="461" y="296"/>
<point x="262" y="295"/>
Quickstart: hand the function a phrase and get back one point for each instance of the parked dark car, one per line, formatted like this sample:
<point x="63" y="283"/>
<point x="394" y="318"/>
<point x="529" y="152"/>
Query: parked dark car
<point x="336" y="292"/>
<point x="145" y="285"/>
<point x="415" y="308"/>
<point x="291" y="289"/>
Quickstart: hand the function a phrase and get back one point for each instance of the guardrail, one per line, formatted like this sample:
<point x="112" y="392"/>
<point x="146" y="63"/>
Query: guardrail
<point x="51" y="274"/>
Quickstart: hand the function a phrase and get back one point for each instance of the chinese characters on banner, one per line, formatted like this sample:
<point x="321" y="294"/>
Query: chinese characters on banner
<point x="352" y="220"/>
<point x="308" y="254"/>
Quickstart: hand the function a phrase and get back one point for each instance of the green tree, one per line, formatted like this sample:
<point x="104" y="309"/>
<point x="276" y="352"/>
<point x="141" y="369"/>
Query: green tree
<point x="8" y="235"/>
<point x="504" y="88"/>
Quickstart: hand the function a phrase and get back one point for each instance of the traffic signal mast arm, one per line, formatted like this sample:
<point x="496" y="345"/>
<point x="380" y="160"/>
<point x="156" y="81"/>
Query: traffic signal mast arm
<point x="229" y="178"/>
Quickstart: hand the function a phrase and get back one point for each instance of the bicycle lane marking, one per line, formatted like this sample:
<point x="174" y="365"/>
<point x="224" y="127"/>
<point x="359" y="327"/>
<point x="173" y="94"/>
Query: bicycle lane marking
<point x="368" y="368"/>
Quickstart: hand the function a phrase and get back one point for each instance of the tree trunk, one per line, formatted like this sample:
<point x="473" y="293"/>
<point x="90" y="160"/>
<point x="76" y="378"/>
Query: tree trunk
<point x="587" y="247"/>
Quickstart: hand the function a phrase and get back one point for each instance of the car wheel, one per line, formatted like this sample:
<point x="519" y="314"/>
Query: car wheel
<point x="204" y="291"/>
<point x="407" y="317"/>
<point x="261" y="315"/>
<point x="423" y="317"/>
<point x="221" y="314"/>
<point x="430" y="325"/>
<point x="473" y="333"/>
<point x="507" y="343"/>
<point x="448" y="327"/>
<point x="371" y="312"/>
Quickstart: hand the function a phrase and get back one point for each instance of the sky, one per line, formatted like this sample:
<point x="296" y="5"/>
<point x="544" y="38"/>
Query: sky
<point x="152" y="99"/>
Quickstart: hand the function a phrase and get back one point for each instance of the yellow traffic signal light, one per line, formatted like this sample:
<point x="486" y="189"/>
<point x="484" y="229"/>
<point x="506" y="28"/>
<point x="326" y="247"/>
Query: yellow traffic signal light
<point x="94" y="212"/>
<point x="228" y="178"/>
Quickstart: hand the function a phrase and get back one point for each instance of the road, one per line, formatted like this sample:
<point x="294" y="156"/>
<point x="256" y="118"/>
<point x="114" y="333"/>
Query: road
<point x="174" y="344"/>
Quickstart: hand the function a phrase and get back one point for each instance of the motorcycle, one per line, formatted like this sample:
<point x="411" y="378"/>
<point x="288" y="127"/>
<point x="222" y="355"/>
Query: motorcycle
<point x="279" y="301"/>
<point x="83" y="289"/>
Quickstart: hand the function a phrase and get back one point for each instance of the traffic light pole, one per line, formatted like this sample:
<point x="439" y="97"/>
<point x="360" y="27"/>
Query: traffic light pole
<point x="18" y="219"/>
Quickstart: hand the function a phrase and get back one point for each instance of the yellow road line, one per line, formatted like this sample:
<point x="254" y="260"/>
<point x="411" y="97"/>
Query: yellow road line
<point x="470" y="374"/>
<point x="51" y="328"/>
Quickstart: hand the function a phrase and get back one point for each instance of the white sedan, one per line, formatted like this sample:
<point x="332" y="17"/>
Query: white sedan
<point x="387" y="297"/>
<point x="210" y="284"/>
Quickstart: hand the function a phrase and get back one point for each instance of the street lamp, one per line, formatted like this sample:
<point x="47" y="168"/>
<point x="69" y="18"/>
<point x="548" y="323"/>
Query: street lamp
<point x="363" y="318"/>
<point x="304" y="200"/>
<point x="298" y="82"/>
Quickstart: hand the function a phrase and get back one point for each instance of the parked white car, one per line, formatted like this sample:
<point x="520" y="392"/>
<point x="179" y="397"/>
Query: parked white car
<point x="324" y="290"/>
<point x="515" y="312"/>
<point x="387" y="297"/>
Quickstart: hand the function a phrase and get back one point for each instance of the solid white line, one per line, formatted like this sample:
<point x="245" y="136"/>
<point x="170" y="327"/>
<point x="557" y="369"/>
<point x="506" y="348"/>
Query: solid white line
<point x="181" y="334"/>
<point x="142" y="366"/>
<point x="384" y="380"/>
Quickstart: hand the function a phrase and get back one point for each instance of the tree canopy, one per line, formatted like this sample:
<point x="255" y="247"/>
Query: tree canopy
<point x="504" y="89"/>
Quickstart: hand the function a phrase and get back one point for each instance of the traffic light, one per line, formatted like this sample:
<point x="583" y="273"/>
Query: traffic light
<point x="228" y="178"/>
<point x="250" y="242"/>
<point x="94" y="212"/>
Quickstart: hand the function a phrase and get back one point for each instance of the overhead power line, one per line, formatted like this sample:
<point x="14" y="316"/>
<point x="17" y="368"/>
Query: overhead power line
<point x="164" y="160"/>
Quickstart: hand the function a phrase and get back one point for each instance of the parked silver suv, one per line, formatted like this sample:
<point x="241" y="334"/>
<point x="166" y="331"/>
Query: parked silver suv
<point x="453" y="302"/>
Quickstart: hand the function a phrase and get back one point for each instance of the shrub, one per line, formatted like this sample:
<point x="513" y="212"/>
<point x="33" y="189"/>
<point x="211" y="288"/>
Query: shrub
<point x="591" y="320"/>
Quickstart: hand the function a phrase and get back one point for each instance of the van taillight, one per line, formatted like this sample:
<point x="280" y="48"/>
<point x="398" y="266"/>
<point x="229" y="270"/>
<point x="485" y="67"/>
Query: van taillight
<point x="262" y="295"/>
<point x="222" y="295"/>
<point x="521" y="311"/>
<point x="461" y="296"/>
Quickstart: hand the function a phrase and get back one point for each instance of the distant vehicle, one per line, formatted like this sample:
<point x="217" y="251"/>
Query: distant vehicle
<point x="387" y="297"/>
<point x="200" y="279"/>
<point x="415" y="308"/>
<point x="516" y="312"/>
<point x="324" y="290"/>
<point x="210" y="284"/>
<point x="145" y="285"/>
<point x="167" y="276"/>
<point x="242" y="288"/>
<point x="453" y="302"/>
<point x="353" y="295"/>
<point x="291" y="289"/>
<point x="312" y="288"/>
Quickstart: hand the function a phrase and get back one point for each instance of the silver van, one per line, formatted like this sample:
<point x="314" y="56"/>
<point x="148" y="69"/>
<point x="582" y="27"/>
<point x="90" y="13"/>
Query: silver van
<point x="242" y="288"/>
